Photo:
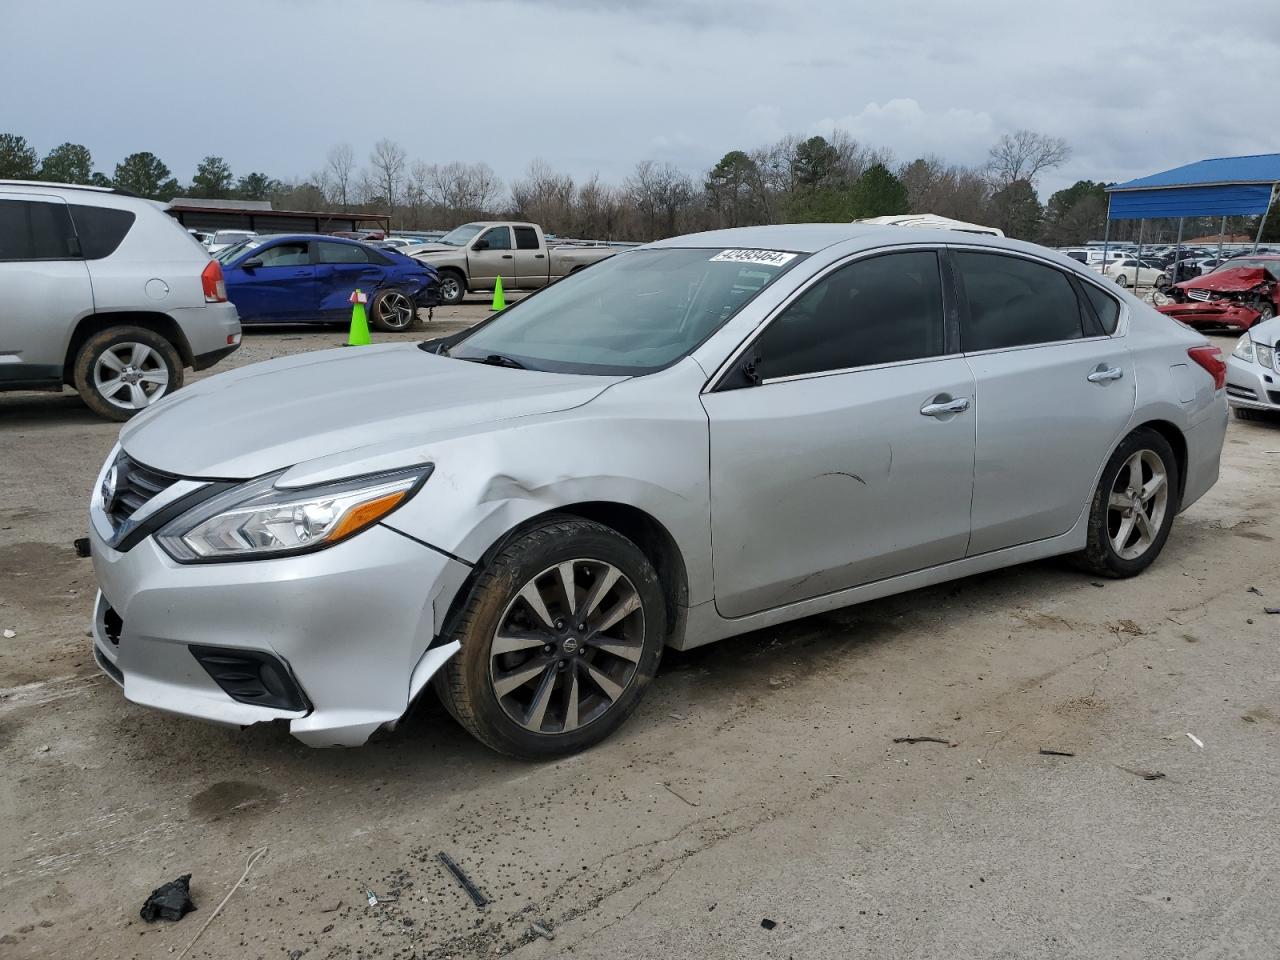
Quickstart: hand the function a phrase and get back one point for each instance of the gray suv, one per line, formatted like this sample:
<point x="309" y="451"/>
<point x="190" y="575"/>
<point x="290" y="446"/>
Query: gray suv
<point x="104" y="292"/>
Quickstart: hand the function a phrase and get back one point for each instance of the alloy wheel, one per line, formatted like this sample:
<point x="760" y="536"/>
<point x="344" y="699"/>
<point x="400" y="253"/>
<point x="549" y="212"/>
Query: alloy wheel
<point x="449" y="287"/>
<point x="130" y="375"/>
<point x="396" y="310"/>
<point x="1137" y="504"/>
<point x="567" y="646"/>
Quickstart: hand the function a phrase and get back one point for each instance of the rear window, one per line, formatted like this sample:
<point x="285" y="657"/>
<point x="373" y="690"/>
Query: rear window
<point x="526" y="238"/>
<point x="1015" y="302"/>
<point x="101" y="229"/>
<point x="36" y="230"/>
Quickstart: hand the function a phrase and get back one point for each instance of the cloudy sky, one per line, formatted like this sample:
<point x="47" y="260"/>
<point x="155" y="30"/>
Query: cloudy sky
<point x="596" y="85"/>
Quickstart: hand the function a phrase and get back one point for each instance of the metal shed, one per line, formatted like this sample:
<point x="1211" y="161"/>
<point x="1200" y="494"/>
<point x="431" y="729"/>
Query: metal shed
<point x="1219" y="187"/>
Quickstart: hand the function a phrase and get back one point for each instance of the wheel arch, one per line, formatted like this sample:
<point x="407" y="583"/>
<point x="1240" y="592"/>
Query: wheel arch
<point x="1177" y="440"/>
<point x="158" y="323"/>
<point x="640" y="527"/>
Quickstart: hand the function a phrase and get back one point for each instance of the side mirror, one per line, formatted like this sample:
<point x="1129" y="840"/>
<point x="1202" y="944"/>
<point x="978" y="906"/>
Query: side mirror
<point x="253" y="263"/>
<point x="480" y="245"/>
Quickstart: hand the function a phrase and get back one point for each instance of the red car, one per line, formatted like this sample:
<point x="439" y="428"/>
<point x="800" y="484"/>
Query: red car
<point x="1239" y="293"/>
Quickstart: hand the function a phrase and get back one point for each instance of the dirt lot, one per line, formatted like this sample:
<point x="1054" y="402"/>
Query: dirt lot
<point x="759" y="780"/>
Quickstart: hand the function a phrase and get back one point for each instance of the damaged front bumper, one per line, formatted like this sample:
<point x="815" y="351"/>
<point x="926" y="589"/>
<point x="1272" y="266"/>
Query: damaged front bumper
<point x="337" y="642"/>
<point x="1212" y="313"/>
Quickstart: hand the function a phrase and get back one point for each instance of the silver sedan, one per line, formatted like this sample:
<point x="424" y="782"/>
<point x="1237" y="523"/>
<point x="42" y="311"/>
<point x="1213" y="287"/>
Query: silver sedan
<point x="696" y="438"/>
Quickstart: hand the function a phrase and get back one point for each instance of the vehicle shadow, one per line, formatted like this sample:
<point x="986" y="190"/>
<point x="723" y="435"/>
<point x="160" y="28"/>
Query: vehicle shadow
<point x="20" y="409"/>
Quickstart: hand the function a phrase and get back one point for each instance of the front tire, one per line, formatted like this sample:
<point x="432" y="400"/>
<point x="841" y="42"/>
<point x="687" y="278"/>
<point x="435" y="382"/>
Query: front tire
<point x="453" y="287"/>
<point x="561" y="635"/>
<point x="121" y="371"/>
<point x="1133" y="507"/>
<point x="393" y="311"/>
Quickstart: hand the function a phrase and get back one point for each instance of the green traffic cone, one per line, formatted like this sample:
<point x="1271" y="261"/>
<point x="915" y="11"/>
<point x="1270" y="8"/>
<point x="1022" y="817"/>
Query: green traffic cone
<point x="359" y="335"/>
<point x="498" y="302"/>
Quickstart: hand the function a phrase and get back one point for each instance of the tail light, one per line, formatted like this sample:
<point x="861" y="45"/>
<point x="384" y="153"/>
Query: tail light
<point x="1211" y="359"/>
<point x="215" y="288"/>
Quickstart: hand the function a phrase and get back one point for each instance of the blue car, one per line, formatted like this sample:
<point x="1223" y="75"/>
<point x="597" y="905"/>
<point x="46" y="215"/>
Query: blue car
<point x="309" y="278"/>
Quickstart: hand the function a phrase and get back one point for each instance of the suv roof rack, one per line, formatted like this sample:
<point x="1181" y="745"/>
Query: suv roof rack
<point x="120" y="191"/>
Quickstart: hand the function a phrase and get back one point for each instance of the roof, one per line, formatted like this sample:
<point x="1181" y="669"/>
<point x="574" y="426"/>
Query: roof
<point x="1257" y="168"/>
<point x="1222" y="186"/>
<point x="812" y="237"/>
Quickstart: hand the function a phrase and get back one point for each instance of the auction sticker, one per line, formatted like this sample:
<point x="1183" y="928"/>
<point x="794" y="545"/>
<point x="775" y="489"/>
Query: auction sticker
<point x="768" y="258"/>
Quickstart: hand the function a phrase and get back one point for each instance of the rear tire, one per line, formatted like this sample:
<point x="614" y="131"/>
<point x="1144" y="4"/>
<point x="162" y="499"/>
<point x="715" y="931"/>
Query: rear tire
<point x="393" y="311"/>
<point x="540" y="675"/>
<point x="453" y="287"/>
<point x="1133" y="507"/>
<point x="121" y="371"/>
<point x="1122" y="280"/>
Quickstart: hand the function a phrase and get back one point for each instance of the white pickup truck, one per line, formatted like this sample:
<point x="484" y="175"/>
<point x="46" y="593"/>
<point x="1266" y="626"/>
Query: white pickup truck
<point x="471" y="257"/>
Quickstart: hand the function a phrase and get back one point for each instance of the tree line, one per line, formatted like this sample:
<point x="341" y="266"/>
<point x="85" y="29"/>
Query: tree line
<point x="795" y="179"/>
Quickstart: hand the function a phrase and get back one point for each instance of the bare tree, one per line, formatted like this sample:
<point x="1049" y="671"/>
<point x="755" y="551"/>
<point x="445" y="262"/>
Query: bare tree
<point x="1023" y="155"/>
<point x="949" y="190"/>
<point x="460" y="191"/>
<point x="597" y="209"/>
<point x="387" y="161"/>
<point x="545" y="197"/>
<point x="340" y="166"/>
<point x="660" y="193"/>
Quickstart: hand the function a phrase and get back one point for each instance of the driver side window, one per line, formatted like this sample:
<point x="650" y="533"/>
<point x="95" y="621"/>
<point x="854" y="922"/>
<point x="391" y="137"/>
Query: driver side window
<point x="498" y="238"/>
<point x="883" y="309"/>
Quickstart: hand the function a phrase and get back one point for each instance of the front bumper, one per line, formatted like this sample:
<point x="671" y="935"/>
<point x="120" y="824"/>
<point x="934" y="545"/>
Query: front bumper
<point x="353" y="625"/>
<point x="1251" y="385"/>
<point x="1212" y="313"/>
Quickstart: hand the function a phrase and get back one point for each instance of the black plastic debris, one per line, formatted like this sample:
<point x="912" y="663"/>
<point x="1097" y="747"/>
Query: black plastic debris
<point x="768" y="924"/>
<point x="1271" y="609"/>
<point x="478" y="898"/>
<point x="922" y="740"/>
<point x="82" y="548"/>
<point x="1050" y="752"/>
<point x="170" y="902"/>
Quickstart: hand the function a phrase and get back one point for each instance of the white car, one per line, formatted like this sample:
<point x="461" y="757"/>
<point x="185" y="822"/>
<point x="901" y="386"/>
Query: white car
<point x="1091" y="256"/>
<point x="1253" y="372"/>
<point x="225" y="238"/>
<point x="1130" y="272"/>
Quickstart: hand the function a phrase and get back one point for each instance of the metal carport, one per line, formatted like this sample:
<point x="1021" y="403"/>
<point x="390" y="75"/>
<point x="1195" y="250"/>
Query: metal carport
<point x="1223" y="186"/>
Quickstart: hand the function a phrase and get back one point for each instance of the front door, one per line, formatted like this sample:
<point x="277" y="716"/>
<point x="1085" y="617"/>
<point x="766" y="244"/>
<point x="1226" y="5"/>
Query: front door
<point x="1054" y="395"/>
<point x="491" y="257"/>
<point x="851" y="459"/>
<point x="275" y="282"/>
<point x="44" y="288"/>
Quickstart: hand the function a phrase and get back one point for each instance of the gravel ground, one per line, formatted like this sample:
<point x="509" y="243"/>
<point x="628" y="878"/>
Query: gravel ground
<point x="758" y="781"/>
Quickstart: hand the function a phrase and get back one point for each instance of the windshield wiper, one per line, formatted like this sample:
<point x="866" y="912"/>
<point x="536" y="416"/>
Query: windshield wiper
<point x="497" y="360"/>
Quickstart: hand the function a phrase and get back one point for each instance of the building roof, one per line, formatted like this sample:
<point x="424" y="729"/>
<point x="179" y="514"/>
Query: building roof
<point x="196" y="203"/>
<point x="1256" y="168"/>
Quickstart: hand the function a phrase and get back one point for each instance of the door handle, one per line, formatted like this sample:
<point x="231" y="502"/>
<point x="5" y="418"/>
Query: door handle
<point x="538" y="256"/>
<point x="1103" y="374"/>
<point x="943" y="406"/>
<point x="506" y="256"/>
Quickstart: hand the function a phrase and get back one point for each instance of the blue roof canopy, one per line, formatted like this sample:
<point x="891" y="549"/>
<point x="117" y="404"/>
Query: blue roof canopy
<point x="1224" y="186"/>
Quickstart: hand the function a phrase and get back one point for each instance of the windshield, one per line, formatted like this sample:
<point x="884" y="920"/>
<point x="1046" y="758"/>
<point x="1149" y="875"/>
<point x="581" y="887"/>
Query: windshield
<point x="1271" y="266"/>
<point x="634" y="313"/>
<point x="227" y="254"/>
<point x="459" y="236"/>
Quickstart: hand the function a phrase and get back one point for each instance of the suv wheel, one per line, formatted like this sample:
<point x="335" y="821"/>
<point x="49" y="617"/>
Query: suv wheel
<point x="1133" y="507"/>
<point x="560" y="636"/>
<point x="121" y="371"/>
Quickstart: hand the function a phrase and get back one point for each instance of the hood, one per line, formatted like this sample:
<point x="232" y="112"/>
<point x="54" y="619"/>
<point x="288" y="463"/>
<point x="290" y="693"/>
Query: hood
<point x="1235" y="280"/>
<point x="268" y="416"/>
<point x="436" y="248"/>
<point x="1268" y="331"/>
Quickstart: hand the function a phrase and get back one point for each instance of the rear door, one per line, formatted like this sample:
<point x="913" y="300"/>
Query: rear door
<point x="44" y="287"/>
<point x="1054" y="395"/>
<point x="496" y="259"/>
<point x="851" y="460"/>
<point x="531" y="263"/>
<point x="341" y="268"/>
<point x="275" y="282"/>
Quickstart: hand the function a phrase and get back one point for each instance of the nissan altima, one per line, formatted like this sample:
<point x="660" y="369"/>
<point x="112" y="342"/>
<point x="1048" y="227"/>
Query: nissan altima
<point x="699" y="437"/>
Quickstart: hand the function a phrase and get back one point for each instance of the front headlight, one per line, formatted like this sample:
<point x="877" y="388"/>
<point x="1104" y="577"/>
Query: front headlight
<point x="1244" y="348"/>
<point x="1266" y="355"/>
<point x="256" y="521"/>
